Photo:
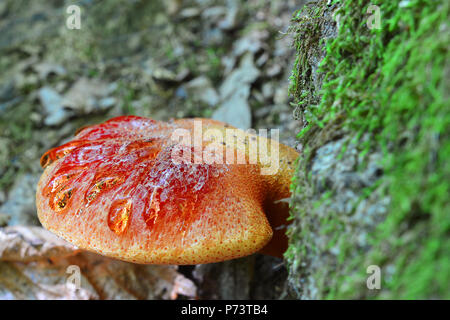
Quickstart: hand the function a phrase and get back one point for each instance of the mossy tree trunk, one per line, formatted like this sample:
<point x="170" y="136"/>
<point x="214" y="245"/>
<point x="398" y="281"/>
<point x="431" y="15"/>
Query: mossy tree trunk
<point x="373" y="181"/>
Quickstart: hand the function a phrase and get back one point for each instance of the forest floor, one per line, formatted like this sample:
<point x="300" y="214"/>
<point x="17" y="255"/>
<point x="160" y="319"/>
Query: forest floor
<point x="171" y="59"/>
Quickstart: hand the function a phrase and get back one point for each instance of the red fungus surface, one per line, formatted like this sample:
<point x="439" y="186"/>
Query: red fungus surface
<point x="115" y="190"/>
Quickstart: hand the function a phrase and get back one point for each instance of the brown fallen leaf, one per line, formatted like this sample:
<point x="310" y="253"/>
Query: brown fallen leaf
<point x="25" y="244"/>
<point x="35" y="264"/>
<point x="41" y="280"/>
<point x="115" y="279"/>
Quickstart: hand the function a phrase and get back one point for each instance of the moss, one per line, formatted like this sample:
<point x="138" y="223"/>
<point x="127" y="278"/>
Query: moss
<point x="390" y="85"/>
<point x="307" y="26"/>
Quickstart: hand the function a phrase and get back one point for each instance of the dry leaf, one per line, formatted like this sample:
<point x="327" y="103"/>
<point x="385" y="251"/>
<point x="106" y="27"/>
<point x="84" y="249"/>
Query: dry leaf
<point x="35" y="264"/>
<point x="25" y="244"/>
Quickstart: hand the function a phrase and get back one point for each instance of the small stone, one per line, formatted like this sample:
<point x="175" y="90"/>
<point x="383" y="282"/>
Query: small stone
<point x="53" y="108"/>
<point x="181" y="93"/>
<point x="45" y="69"/>
<point x="267" y="90"/>
<point x="214" y="13"/>
<point x="234" y="93"/>
<point x="190" y="13"/>
<point x="201" y="89"/>
<point x="7" y="92"/>
<point x="134" y="42"/>
<point x="246" y="74"/>
<point x="235" y="110"/>
<point x="273" y="71"/>
<point x="263" y="112"/>
<point x="21" y="203"/>
<point x="56" y="118"/>
<point x="106" y="103"/>
<point x="182" y="74"/>
<point x="257" y="95"/>
<point x="163" y="74"/>
<point x="281" y="96"/>
<point x="213" y="36"/>
<point x="84" y="94"/>
<point x="252" y="42"/>
<point x="230" y="20"/>
<point x="262" y="59"/>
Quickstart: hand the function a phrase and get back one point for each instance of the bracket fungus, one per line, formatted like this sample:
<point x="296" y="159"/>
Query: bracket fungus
<point x="154" y="192"/>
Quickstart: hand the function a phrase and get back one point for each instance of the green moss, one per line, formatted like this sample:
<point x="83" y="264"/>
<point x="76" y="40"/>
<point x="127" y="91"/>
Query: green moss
<point x="392" y="84"/>
<point x="307" y="26"/>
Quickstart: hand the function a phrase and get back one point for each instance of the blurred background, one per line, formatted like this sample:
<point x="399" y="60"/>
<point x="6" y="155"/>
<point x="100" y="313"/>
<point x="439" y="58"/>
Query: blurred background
<point x="225" y="59"/>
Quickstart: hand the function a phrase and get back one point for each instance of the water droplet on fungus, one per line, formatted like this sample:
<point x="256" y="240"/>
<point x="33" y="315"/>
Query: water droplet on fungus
<point x="60" y="200"/>
<point x="101" y="185"/>
<point x="119" y="215"/>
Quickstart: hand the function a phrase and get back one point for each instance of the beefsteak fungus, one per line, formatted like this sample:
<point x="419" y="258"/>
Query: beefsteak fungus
<point x="116" y="190"/>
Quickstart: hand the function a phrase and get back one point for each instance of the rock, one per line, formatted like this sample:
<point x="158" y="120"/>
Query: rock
<point x="25" y="80"/>
<point x="7" y="91"/>
<point x="173" y="6"/>
<point x="190" y="13"/>
<point x="181" y="92"/>
<point x="85" y="95"/>
<point x="235" y="110"/>
<point x="21" y="204"/>
<point x="53" y="108"/>
<point x="212" y="36"/>
<point x="45" y="69"/>
<point x="231" y="18"/>
<point x="182" y="74"/>
<point x="201" y="89"/>
<point x="57" y="117"/>
<point x="252" y="42"/>
<point x="164" y="75"/>
<point x="3" y="8"/>
<point x="268" y="90"/>
<point x="106" y="103"/>
<point x="262" y="59"/>
<point x="257" y="95"/>
<point x="263" y="112"/>
<point x="245" y="75"/>
<point x="273" y="71"/>
<point x="281" y="95"/>
<point x="167" y="76"/>
<point x="234" y="93"/>
<point x="134" y="42"/>
<point x="214" y="13"/>
<point x="228" y="62"/>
